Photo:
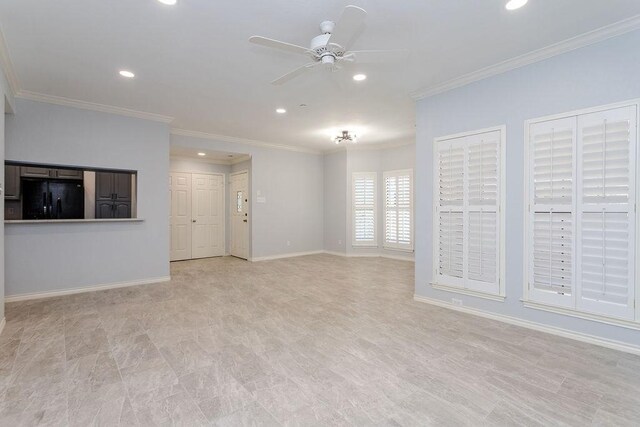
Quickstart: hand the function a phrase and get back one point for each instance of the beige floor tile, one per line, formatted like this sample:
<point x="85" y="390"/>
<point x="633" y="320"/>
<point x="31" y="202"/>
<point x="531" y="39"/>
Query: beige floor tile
<point x="315" y="340"/>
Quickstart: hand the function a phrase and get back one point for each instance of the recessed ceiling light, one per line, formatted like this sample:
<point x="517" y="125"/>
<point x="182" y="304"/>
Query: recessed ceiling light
<point x="359" y="77"/>
<point x="127" y="74"/>
<point x="281" y="110"/>
<point x="202" y="154"/>
<point x="515" y="4"/>
<point x="168" y="2"/>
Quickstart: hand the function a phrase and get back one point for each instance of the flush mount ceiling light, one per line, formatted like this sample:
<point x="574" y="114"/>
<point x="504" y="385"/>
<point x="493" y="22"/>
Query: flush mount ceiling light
<point x="360" y="77"/>
<point x="280" y="110"/>
<point x="127" y="74"/>
<point x="168" y="2"/>
<point x="346" y="137"/>
<point x="202" y="154"/>
<point x="515" y="4"/>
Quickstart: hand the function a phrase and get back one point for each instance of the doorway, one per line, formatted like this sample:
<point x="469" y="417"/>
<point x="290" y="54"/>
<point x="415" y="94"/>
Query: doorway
<point x="197" y="215"/>
<point x="239" y="207"/>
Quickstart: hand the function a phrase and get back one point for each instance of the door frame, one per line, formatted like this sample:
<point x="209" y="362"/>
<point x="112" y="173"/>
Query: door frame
<point x="224" y="209"/>
<point x="249" y="212"/>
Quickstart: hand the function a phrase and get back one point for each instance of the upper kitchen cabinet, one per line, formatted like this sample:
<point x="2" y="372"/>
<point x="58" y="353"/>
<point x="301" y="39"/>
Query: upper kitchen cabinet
<point x="42" y="172"/>
<point x="12" y="182"/>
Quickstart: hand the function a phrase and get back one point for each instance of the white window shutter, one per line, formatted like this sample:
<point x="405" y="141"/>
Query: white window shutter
<point x="450" y="236"/>
<point x="398" y="210"/>
<point x="482" y="224"/>
<point x="364" y="209"/>
<point x="468" y="189"/>
<point x="551" y="214"/>
<point x="450" y="190"/>
<point x="607" y="151"/>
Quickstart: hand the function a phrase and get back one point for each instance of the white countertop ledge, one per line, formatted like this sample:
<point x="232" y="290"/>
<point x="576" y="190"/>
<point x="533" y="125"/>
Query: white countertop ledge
<point x="71" y="221"/>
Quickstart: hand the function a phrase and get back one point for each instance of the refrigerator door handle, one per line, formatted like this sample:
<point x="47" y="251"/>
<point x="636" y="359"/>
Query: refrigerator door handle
<point x="59" y="206"/>
<point x="44" y="204"/>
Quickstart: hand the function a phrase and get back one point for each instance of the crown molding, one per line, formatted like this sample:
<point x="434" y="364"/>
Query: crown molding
<point x="85" y="105"/>
<point x="235" y="140"/>
<point x="565" y="46"/>
<point x="7" y="66"/>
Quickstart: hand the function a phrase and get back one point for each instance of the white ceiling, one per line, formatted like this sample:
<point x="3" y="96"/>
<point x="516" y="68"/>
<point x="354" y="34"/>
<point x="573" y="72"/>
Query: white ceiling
<point x="211" y="156"/>
<point x="193" y="61"/>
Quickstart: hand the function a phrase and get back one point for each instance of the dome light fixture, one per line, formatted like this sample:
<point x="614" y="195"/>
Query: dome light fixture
<point x="360" y="77"/>
<point x="168" y="2"/>
<point x="346" y="137"/>
<point x="280" y="110"/>
<point x="515" y="4"/>
<point x="126" y="73"/>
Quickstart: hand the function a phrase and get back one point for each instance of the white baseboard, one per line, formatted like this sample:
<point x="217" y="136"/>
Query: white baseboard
<point x="3" y="322"/>
<point x="335" y="253"/>
<point x="586" y="338"/>
<point x="289" y="255"/>
<point x="61" y="292"/>
<point x="389" y="256"/>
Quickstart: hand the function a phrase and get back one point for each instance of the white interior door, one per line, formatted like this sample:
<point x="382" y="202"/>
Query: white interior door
<point x="239" y="210"/>
<point x="207" y="227"/>
<point x="180" y="216"/>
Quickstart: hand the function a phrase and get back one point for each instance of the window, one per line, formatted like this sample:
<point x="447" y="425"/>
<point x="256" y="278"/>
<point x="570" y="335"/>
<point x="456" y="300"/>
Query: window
<point x="398" y="210"/>
<point x="468" y="217"/>
<point x="364" y="209"/>
<point x="581" y="214"/>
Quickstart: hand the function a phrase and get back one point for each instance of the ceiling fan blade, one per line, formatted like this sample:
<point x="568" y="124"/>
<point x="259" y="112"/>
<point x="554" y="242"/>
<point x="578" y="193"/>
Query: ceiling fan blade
<point x="293" y="74"/>
<point x="348" y="27"/>
<point x="368" y="56"/>
<point x="276" y="44"/>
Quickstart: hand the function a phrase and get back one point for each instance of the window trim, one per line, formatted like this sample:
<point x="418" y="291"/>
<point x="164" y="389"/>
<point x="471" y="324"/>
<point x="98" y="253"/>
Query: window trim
<point x="397" y="246"/>
<point x="570" y="311"/>
<point x="501" y="295"/>
<point x="363" y="245"/>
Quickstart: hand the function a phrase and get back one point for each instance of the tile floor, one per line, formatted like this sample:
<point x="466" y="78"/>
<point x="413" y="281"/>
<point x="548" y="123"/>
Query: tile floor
<point x="316" y="340"/>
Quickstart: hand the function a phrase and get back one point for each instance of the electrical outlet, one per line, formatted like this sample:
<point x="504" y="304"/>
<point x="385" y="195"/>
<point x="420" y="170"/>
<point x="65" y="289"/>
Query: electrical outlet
<point x="456" y="301"/>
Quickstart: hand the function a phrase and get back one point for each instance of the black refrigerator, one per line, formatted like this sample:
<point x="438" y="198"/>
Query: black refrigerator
<point x="52" y="199"/>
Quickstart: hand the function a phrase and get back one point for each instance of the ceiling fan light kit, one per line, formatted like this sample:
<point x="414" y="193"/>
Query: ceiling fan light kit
<point x="331" y="48"/>
<point x="346" y="137"/>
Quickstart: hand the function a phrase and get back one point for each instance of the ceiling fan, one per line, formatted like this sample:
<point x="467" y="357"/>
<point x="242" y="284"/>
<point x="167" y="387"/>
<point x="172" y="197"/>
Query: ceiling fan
<point x="331" y="48"/>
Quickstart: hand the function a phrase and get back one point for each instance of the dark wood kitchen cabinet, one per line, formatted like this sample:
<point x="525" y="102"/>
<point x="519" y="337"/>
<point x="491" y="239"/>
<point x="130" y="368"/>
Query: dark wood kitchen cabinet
<point x="67" y="174"/>
<point x="35" y="172"/>
<point x="39" y="172"/>
<point x="113" y="195"/>
<point x="12" y="182"/>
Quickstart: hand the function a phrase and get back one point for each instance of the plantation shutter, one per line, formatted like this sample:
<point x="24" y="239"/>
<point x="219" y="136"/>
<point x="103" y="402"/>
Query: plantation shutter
<point x="450" y="167"/>
<point x="468" y="212"/>
<point x="483" y="164"/>
<point x="364" y="209"/>
<point x="552" y="216"/>
<point x="398" y="202"/>
<point x="607" y="152"/>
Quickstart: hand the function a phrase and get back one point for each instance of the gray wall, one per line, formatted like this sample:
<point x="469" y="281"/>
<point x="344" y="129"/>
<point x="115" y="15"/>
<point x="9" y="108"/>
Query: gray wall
<point x="335" y="202"/>
<point x="338" y="169"/>
<point x="180" y="164"/>
<point x="48" y="257"/>
<point x="291" y="182"/>
<point x="595" y="75"/>
<point x="4" y="89"/>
